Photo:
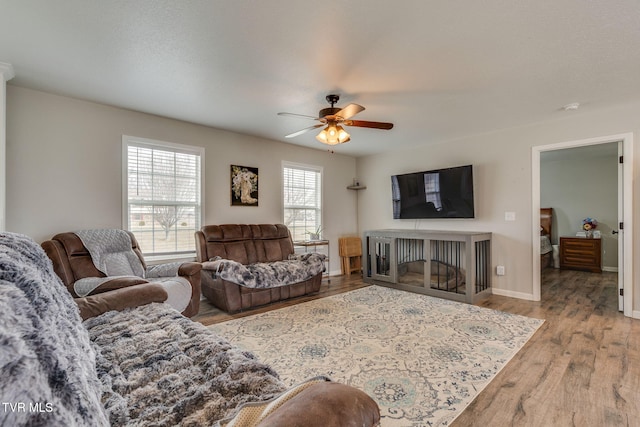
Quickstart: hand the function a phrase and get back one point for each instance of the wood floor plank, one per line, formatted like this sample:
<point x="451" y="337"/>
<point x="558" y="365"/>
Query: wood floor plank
<point x="585" y="347"/>
<point x="581" y="368"/>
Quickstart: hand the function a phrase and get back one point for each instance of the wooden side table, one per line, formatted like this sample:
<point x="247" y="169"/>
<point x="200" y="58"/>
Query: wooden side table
<point x="581" y="253"/>
<point x="350" y="250"/>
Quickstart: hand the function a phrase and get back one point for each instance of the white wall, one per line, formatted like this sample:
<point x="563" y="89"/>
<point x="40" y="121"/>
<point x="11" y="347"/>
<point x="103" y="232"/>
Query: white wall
<point x="503" y="177"/>
<point x="6" y="73"/>
<point x="64" y="168"/>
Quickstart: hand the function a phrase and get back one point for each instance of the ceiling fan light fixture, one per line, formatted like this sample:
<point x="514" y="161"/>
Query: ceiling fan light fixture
<point x="333" y="117"/>
<point x="333" y="134"/>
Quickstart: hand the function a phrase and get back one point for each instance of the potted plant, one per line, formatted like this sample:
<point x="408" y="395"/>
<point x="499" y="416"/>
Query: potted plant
<point x="315" y="235"/>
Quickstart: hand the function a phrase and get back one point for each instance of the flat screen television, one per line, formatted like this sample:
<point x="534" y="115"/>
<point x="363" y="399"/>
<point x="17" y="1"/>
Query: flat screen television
<point x="439" y="193"/>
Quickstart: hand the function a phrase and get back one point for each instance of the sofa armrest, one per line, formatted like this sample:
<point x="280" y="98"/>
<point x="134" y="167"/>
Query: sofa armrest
<point x="326" y="404"/>
<point x="119" y="299"/>
<point x="189" y="269"/>
<point x="186" y="270"/>
<point x="171" y="269"/>
<point x="191" y="272"/>
<point x="117" y="282"/>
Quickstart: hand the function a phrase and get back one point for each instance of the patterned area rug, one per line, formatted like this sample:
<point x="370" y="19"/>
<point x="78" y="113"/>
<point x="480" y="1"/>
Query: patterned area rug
<point x="422" y="359"/>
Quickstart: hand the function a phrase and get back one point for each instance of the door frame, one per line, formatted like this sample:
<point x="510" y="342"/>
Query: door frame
<point x="627" y="210"/>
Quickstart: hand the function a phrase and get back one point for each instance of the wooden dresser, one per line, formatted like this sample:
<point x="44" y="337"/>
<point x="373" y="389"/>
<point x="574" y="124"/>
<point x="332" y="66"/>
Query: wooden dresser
<point x="581" y="253"/>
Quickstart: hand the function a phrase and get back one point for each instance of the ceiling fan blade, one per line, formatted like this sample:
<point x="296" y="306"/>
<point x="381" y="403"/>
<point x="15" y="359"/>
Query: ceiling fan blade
<point x="367" y="124"/>
<point x="350" y="111"/>
<point x="302" y="116"/>
<point x="305" y="130"/>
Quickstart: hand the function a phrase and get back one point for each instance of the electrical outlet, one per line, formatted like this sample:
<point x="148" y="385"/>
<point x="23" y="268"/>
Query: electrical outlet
<point x="509" y="216"/>
<point x="500" y="270"/>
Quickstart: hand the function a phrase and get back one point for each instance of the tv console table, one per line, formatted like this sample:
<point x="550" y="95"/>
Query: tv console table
<point x="447" y="264"/>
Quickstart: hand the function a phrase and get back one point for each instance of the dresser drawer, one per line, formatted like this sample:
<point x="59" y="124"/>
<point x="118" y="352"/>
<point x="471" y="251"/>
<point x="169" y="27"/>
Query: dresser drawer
<point x="578" y="253"/>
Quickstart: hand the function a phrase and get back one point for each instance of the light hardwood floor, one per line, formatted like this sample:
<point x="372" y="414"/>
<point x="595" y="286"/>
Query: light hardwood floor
<point x="581" y="368"/>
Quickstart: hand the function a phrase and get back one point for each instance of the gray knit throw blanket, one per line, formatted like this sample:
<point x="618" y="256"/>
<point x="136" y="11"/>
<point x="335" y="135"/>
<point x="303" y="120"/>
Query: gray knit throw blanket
<point x="47" y="364"/>
<point x="159" y="368"/>
<point x="111" y="252"/>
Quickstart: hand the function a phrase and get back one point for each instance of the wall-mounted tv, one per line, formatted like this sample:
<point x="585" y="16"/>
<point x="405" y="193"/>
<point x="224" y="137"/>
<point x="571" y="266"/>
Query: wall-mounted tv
<point x="439" y="193"/>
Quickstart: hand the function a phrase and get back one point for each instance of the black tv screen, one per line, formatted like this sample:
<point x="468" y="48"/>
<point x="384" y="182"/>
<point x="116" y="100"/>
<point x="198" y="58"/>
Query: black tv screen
<point x="439" y="193"/>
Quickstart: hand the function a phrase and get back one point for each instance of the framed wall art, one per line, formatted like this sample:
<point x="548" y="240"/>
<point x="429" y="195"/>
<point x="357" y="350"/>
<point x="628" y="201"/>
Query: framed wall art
<point x="244" y="186"/>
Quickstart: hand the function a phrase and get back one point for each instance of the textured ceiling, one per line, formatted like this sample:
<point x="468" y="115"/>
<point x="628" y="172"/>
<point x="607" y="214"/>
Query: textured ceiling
<point x="438" y="70"/>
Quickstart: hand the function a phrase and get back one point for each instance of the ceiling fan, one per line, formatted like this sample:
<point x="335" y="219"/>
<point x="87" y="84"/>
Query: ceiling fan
<point x="333" y="118"/>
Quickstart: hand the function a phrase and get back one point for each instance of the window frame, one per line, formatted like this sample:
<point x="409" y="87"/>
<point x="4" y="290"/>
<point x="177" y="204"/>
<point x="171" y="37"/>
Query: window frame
<point x="127" y="141"/>
<point x="306" y="167"/>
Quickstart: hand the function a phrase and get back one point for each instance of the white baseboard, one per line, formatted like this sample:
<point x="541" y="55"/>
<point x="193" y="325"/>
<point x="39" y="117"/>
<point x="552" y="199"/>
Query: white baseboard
<point x="610" y="269"/>
<point x="635" y="314"/>
<point x="512" y="294"/>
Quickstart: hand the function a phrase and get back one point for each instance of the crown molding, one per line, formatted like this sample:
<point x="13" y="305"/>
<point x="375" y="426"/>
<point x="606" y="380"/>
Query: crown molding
<point x="6" y="71"/>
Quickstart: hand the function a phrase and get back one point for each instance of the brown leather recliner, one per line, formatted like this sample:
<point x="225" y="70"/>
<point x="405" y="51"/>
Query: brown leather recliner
<point x="247" y="244"/>
<point x="72" y="261"/>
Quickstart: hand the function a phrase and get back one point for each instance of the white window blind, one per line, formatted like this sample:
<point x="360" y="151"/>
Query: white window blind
<point x="302" y="186"/>
<point x="395" y="196"/>
<point x="432" y="189"/>
<point x="163" y="194"/>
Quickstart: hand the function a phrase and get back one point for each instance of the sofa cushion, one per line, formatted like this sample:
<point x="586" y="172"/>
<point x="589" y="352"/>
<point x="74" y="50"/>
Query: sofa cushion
<point x="245" y="243"/>
<point x="96" y="285"/>
<point x="267" y="274"/>
<point x="159" y="368"/>
<point x="111" y="251"/>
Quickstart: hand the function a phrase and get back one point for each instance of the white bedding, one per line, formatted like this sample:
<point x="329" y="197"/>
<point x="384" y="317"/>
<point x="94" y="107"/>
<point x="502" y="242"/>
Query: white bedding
<point x="545" y="245"/>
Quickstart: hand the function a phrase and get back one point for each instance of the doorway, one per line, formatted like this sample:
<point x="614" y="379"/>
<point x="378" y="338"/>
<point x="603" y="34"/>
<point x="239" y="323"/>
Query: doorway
<point x="624" y="198"/>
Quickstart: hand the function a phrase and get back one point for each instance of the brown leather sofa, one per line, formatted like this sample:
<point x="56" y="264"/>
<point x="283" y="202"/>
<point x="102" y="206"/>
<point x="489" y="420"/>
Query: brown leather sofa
<point x="72" y="262"/>
<point x="247" y="244"/>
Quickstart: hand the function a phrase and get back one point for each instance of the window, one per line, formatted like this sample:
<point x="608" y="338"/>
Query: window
<point x="432" y="189"/>
<point x="162" y="191"/>
<point x="302" y="185"/>
<point x="395" y="196"/>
